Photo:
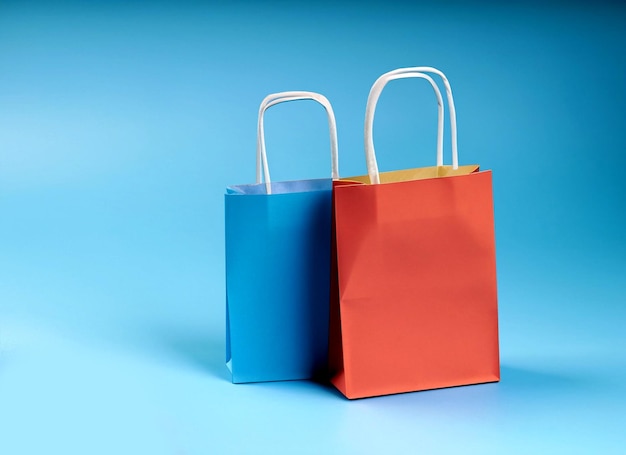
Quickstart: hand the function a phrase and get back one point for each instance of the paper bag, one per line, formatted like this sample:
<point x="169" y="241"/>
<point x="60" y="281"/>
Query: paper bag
<point x="414" y="300"/>
<point x="277" y="268"/>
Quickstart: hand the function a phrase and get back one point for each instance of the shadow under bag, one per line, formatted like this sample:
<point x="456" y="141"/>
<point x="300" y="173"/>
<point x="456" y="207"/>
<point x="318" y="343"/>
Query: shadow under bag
<point x="414" y="299"/>
<point x="278" y="268"/>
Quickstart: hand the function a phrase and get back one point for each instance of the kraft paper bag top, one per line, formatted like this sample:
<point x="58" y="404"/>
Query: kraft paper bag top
<point x="414" y="298"/>
<point x="376" y="177"/>
<point x="278" y="267"/>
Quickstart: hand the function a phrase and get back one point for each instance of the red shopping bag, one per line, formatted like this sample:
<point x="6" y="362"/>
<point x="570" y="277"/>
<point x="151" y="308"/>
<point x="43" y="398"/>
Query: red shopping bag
<point x="414" y="300"/>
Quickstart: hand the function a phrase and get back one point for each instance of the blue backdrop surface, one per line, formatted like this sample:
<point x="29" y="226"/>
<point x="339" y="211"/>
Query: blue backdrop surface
<point x="122" y="123"/>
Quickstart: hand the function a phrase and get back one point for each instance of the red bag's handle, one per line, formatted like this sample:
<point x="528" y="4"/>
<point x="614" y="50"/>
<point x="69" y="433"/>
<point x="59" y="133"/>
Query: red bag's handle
<point x="376" y="90"/>
<point x="262" y="169"/>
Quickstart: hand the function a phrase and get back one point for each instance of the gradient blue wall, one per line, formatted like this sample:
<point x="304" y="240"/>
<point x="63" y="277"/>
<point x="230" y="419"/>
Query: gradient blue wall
<point x="121" y="124"/>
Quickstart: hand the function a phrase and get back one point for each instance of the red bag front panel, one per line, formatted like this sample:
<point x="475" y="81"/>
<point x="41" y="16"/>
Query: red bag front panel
<point x="414" y="300"/>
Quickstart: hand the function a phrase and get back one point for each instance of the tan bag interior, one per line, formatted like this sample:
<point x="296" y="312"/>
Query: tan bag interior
<point x="420" y="173"/>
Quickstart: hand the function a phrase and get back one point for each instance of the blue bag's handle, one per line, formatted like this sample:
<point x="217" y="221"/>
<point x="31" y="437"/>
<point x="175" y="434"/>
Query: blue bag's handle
<point x="262" y="169"/>
<point x="376" y="90"/>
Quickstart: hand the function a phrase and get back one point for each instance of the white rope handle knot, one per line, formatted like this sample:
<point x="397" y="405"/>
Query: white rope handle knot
<point x="262" y="169"/>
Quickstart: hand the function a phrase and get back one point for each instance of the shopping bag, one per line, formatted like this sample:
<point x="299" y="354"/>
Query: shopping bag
<point x="278" y="268"/>
<point x="414" y="299"/>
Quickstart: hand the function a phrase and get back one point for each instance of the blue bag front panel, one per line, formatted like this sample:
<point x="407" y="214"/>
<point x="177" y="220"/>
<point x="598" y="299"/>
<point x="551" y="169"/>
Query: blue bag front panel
<point x="278" y="284"/>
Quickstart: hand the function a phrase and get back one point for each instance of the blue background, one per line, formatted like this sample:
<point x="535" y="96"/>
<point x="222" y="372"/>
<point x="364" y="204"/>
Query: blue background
<point x="122" y="123"/>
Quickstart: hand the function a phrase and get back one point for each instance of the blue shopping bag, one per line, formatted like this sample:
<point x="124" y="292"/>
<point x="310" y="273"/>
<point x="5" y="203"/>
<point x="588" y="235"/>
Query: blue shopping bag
<point x="278" y="268"/>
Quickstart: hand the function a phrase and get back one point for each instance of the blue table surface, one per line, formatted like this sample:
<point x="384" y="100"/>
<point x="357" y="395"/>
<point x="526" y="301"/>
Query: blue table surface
<point x="122" y="124"/>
